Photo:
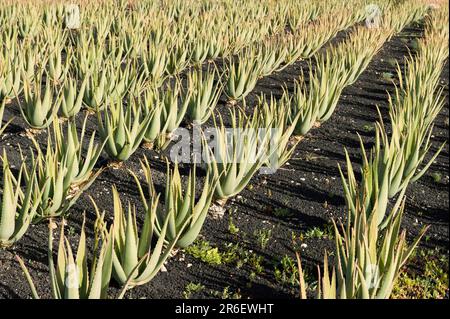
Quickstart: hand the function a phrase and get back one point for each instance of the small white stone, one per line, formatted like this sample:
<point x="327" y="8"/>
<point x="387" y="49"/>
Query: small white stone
<point x="52" y="225"/>
<point x="217" y="211"/>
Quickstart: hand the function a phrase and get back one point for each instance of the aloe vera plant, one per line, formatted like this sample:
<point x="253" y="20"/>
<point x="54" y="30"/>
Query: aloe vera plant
<point x="88" y="57"/>
<point x="29" y="57"/>
<point x="417" y="102"/>
<point x="69" y="147"/>
<point x="437" y="30"/>
<point x="8" y="36"/>
<point x="411" y="135"/>
<point x="404" y="14"/>
<point x="371" y="249"/>
<point x="304" y="43"/>
<point x="30" y="26"/>
<point x="200" y="49"/>
<point x="57" y="69"/>
<point x="163" y="112"/>
<point x="111" y="84"/>
<point x="218" y="44"/>
<point x="121" y="79"/>
<point x="10" y="78"/>
<point x="298" y="15"/>
<point x="116" y="51"/>
<point x="18" y="206"/>
<point x="72" y="99"/>
<point x="275" y="116"/>
<point x="173" y="111"/>
<point x="306" y="40"/>
<point x="154" y="63"/>
<point x="187" y="213"/>
<point x="378" y="174"/>
<point x="242" y="75"/>
<point x="136" y="259"/>
<point x="328" y="82"/>
<point x="237" y="154"/>
<point x="303" y="106"/>
<point x="178" y="58"/>
<point x="39" y="108"/>
<point x="53" y="15"/>
<point x="123" y="128"/>
<point x="101" y="28"/>
<point x="272" y="54"/>
<point x="63" y="172"/>
<point x="152" y="106"/>
<point x="72" y="277"/>
<point x="392" y="165"/>
<point x="204" y="95"/>
<point x="368" y="261"/>
<point x="359" y="50"/>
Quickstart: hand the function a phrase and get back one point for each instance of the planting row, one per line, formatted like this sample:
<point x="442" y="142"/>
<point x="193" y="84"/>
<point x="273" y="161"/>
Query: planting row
<point x="371" y="248"/>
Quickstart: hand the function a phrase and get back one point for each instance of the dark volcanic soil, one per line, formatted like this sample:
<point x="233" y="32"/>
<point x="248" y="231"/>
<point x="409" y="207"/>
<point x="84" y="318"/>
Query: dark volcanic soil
<point x="305" y="194"/>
